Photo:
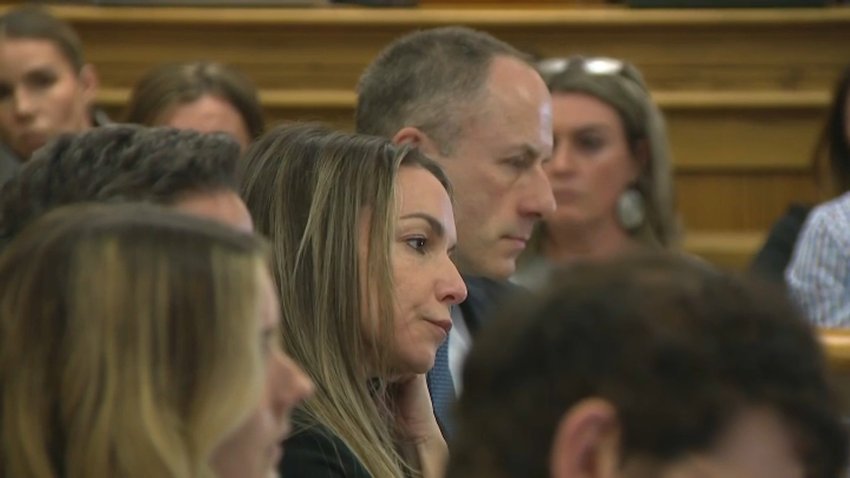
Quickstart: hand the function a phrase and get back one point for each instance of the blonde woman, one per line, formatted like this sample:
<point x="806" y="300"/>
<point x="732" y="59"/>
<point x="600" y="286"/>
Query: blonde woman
<point x="137" y="343"/>
<point x="610" y="172"/>
<point x="361" y="233"/>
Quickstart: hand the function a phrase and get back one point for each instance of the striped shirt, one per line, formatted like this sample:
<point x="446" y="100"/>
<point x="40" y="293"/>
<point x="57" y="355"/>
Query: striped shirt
<point x="819" y="274"/>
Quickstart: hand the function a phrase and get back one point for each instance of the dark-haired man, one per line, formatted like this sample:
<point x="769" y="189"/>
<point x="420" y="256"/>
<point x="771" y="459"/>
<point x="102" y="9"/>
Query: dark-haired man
<point x="651" y="366"/>
<point x="187" y="170"/>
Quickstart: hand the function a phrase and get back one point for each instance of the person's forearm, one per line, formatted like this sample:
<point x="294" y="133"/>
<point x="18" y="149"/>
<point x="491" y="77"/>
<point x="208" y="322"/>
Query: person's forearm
<point x="433" y="455"/>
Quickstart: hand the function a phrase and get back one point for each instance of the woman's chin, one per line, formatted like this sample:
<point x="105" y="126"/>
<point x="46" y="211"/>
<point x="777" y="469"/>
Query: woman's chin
<point x="411" y="369"/>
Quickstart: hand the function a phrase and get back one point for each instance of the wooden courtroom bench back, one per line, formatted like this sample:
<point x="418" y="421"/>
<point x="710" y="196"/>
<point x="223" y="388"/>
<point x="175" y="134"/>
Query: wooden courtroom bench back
<point x="744" y="91"/>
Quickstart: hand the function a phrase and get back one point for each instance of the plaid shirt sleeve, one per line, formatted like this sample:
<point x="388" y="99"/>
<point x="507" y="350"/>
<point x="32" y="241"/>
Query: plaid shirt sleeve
<point x="818" y="277"/>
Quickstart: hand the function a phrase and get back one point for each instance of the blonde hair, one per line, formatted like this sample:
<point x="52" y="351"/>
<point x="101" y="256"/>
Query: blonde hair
<point x="309" y="189"/>
<point x="130" y="343"/>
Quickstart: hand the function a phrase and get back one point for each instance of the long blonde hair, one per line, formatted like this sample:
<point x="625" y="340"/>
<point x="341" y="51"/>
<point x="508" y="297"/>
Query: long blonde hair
<point x="309" y="190"/>
<point x="130" y="343"/>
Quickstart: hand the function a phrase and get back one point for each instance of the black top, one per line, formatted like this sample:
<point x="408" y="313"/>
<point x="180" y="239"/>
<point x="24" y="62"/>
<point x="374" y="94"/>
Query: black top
<point x="773" y="258"/>
<point x="314" y="452"/>
<point x="483" y="297"/>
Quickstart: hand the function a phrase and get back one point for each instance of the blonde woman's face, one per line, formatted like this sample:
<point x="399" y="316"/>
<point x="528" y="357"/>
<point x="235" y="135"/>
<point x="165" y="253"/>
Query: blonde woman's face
<point x="591" y="164"/>
<point x="426" y="281"/>
<point x="255" y="448"/>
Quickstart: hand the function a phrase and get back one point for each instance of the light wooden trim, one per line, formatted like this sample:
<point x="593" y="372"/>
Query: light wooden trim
<point x="406" y="17"/>
<point x="744" y="243"/>
<point x="680" y="100"/>
<point x="837" y="345"/>
<point x="742" y="99"/>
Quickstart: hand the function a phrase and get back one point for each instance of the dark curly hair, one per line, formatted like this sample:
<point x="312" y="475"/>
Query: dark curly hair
<point x="676" y="348"/>
<point x="120" y="163"/>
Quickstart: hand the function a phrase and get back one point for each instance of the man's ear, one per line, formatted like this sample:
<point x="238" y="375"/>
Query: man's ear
<point x="416" y="137"/>
<point x="586" y="443"/>
<point x="89" y="83"/>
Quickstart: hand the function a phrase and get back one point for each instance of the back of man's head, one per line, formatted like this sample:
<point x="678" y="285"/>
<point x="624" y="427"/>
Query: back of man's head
<point x="119" y="163"/>
<point x="682" y="355"/>
<point x="425" y="80"/>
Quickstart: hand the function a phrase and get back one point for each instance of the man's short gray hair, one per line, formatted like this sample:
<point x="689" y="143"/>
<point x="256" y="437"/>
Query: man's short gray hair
<point x="427" y="79"/>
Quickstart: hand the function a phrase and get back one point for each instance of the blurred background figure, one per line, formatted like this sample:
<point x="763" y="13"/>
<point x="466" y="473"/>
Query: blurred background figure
<point x="185" y="170"/>
<point x="115" y="362"/>
<point x="203" y="96"/>
<point x="648" y="365"/>
<point x="611" y="171"/>
<point x="46" y="86"/>
<point x="831" y="163"/>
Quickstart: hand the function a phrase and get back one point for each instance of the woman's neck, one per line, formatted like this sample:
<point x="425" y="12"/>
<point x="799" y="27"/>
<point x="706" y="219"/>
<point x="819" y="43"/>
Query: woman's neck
<point x="568" y="242"/>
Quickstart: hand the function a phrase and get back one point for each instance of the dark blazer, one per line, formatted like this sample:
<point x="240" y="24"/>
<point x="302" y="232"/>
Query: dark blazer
<point x="9" y="164"/>
<point x="315" y="452"/>
<point x="771" y="261"/>
<point x="482" y="296"/>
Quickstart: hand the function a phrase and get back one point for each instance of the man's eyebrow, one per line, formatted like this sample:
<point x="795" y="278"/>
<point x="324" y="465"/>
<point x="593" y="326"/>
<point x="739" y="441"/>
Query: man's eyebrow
<point x="435" y="225"/>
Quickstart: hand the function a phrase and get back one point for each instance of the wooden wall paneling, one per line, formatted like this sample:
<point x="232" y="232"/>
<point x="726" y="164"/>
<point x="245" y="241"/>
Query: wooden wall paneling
<point x="744" y="139"/>
<point x="738" y="201"/>
<point x="328" y="48"/>
<point x="744" y="91"/>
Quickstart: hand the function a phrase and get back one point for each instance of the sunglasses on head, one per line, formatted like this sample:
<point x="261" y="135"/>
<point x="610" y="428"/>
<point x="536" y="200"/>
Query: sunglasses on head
<point x="549" y="68"/>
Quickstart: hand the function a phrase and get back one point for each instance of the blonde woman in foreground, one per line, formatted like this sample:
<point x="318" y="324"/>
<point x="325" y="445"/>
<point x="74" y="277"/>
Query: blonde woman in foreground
<point x="138" y="342"/>
<point x="361" y="232"/>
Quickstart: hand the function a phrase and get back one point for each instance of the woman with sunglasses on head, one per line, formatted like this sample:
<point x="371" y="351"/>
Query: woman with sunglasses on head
<point x="610" y="171"/>
<point x="138" y="342"/>
<point x="362" y="233"/>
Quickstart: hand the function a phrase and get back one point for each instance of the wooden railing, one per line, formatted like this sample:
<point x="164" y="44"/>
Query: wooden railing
<point x="837" y="345"/>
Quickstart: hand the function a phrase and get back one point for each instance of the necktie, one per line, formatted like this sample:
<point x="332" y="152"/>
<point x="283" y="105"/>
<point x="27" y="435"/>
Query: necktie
<point x="442" y="389"/>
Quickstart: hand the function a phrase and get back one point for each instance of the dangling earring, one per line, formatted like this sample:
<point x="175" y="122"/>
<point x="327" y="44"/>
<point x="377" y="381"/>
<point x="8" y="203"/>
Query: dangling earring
<point x="631" y="209"/>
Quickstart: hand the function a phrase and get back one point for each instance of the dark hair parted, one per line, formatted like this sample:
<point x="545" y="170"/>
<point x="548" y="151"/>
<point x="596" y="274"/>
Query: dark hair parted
<point x="312" y="191"/>
<point x="832" y="152"/>
<point x="31" y="22"/>
<point x="118" y="163"/>
<point x="675" y="347"/>
<point x="427" y="80"/>
<point x="175" y="84"/>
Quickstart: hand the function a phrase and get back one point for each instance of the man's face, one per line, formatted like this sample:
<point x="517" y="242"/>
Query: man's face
<point x="41" y="95"/>
<point x="496" y="169"/>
